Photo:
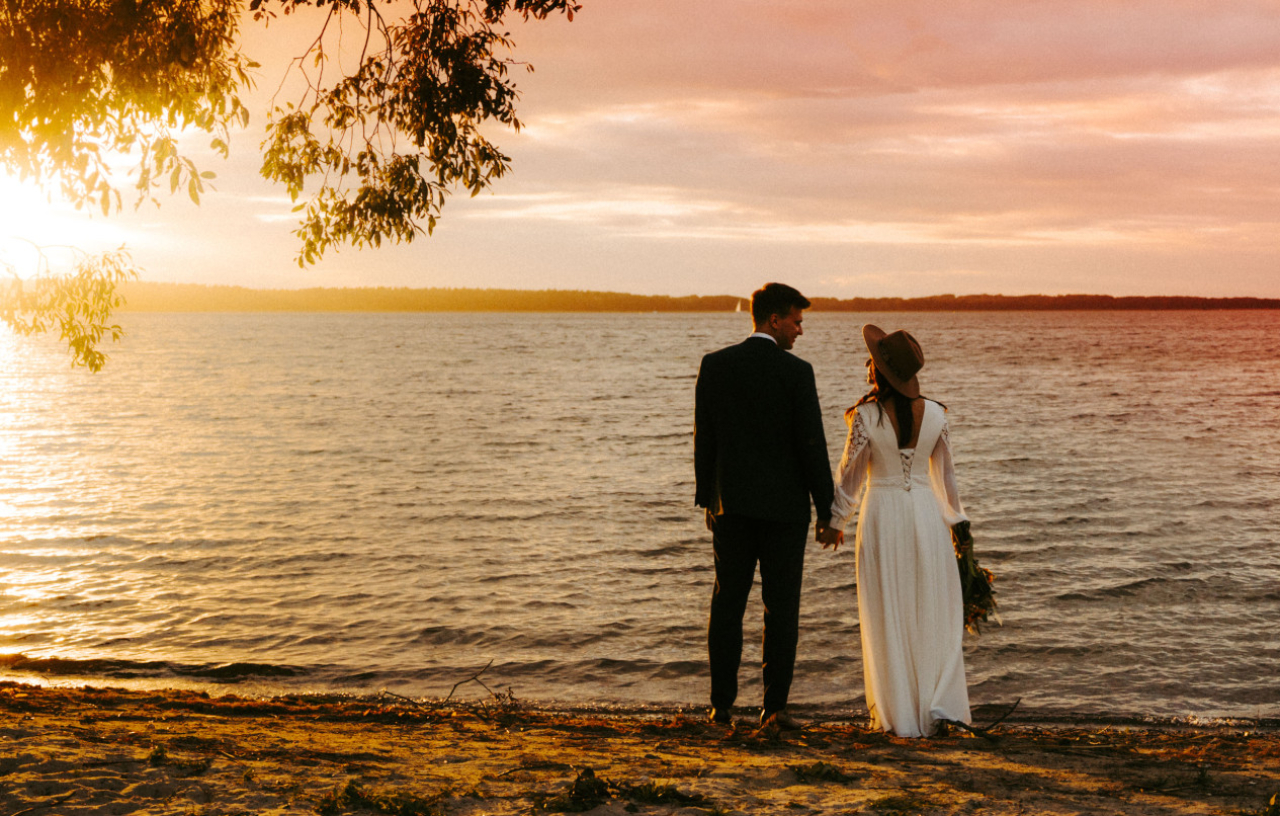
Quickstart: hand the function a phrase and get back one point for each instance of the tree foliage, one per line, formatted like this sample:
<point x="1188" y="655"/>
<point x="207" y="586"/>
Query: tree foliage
<point x="81" y="80"/>
<point x="78" y="304"/>
<point x="369" y="151"/>
<point x="389" y="140"/>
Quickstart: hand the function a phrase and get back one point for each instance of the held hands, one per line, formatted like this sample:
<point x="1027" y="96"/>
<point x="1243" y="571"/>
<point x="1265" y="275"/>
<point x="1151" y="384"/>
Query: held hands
<point x="829" y="536"/>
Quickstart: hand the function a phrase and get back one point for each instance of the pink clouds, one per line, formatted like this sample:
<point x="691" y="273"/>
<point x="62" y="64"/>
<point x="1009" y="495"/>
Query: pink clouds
<point x="1113" y="130"/>
<point x="857" y="47"/>
<point x="895" y="147"/>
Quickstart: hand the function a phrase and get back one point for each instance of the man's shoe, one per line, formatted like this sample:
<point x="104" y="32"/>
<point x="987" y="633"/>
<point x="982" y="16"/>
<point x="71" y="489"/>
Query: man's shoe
<point x="720" y="716"/>
<point x="780" y="720"/>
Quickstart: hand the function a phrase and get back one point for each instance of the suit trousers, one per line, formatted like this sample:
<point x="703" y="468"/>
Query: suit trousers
<point x="740" y="542"/>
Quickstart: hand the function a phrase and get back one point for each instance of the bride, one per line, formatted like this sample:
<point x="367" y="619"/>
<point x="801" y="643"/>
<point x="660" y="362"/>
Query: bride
<point x="909" y="601"/>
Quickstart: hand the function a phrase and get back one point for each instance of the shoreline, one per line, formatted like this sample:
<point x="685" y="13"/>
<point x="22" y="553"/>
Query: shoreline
<point x="95" y="750"/>
<point x="1012" y="712"/>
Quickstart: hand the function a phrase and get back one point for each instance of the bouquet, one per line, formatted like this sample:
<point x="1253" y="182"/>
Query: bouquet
<point x="975" y="581"/>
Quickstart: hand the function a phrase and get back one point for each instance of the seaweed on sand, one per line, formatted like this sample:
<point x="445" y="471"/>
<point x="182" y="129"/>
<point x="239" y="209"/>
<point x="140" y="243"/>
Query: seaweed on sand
<point x="820" y="772"/>
<point x="589" y="791"/>
<point x="354" y="796"/>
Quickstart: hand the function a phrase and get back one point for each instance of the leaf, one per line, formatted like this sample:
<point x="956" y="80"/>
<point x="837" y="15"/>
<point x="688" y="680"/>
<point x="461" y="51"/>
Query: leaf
<point x="400" y="125"/>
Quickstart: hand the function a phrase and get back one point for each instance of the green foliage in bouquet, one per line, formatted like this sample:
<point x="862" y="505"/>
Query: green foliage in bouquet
<point x="975" y="581"/>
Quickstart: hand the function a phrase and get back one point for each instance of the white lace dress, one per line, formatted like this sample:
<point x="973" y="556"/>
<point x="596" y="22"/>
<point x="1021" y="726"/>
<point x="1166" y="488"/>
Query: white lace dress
<point x="909" y="603"/>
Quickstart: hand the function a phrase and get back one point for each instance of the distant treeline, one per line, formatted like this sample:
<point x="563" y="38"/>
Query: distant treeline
<point x="1043" y="303"/>
<point x="184" y="297"/>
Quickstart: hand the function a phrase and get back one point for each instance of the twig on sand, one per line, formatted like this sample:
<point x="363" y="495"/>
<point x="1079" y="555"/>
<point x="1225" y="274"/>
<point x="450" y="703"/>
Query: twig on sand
<point x="977" y="732"/>
<point x="1005" y="715"/>
<point x="475" y="678"/>
<point x="502" y="703"/>
<point x="985" y="732"/>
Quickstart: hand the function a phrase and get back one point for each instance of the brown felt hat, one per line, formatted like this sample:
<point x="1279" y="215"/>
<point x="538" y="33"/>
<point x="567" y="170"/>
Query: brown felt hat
<point x="897" y="355"/>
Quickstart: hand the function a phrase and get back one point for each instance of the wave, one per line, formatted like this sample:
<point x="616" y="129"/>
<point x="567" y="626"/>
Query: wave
<point x="131" y="669"/>
<point x="1169" y="588"/>
<point x="678" y="548"/>
<point x="676" y="569"/>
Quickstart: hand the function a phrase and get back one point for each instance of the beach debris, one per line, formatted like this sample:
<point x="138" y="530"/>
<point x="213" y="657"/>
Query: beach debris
<point x="587" y="792"/>
<point x="297" y="754"/>
<point x="820" y="772"/>
<point x="501" y="706"/>
<point x="1003" y="716"/>
<point x="943" y="725"/>
<point x="1272" y="808"/>
<point x="354" y="796"/>
<point x="475" y="678"/>
<point x="652" y="793"/>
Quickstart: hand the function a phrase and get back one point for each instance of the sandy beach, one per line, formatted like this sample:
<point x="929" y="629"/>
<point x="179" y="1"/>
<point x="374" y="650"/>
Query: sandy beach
<point x="110" y="751"/>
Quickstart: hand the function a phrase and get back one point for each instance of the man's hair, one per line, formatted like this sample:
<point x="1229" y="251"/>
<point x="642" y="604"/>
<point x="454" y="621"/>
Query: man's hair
<point x="775" y="299"/>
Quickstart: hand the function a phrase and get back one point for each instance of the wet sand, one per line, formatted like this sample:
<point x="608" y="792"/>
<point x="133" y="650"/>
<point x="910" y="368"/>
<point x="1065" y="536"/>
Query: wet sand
<point x="111" y="751"/>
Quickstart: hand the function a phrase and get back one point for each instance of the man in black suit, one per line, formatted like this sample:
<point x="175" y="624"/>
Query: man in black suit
<point x="760" y="453"/>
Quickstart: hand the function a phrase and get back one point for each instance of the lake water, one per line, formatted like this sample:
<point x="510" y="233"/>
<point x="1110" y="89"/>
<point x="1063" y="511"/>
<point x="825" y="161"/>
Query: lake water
<point x="360" y="502"/>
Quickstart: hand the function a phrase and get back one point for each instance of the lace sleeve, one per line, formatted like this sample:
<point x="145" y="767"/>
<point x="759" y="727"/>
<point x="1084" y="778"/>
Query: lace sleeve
<point x="943" y="476"/>
<point x="852" y="474"/>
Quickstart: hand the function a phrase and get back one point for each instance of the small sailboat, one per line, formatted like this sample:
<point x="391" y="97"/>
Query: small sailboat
<point x="737" y="307"/>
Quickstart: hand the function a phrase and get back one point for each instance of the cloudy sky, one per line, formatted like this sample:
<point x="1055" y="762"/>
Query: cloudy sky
<point x="850" y="148"/>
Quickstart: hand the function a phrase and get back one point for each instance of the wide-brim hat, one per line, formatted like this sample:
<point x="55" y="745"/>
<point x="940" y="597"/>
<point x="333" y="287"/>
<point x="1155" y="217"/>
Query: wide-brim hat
<point x="897" y="355"/>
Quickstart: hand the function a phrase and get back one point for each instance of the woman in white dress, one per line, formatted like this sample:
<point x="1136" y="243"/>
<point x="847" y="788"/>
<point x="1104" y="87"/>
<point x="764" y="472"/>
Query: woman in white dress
<point x="909" y="603"/>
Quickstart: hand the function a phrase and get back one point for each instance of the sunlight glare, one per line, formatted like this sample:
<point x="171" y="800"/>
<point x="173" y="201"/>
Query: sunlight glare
<point x="31" y="219"/>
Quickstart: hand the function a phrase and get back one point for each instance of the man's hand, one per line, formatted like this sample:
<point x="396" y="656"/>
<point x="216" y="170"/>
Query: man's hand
<point x="829" y="536"/>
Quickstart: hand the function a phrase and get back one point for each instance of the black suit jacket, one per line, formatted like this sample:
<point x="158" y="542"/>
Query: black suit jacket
<point x="759" y="449"/>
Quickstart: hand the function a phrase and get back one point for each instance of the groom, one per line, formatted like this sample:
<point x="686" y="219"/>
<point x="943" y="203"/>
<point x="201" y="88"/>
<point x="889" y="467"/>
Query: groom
<point x="759" y="455"/>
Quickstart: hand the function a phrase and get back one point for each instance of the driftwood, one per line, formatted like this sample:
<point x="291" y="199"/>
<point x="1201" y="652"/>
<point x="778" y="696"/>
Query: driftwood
<point x="475" y="678"/>
<point x="501" y="703"/>
<point x="1005" y="715"/>
<point x="984" y="731"/>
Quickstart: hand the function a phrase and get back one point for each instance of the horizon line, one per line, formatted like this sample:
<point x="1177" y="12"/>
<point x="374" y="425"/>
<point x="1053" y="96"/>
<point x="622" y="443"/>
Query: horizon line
<point x="164" y="296"/>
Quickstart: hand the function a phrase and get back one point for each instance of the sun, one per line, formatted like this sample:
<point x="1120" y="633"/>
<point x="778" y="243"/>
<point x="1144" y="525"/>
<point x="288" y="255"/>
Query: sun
<point x="36" y="226"/>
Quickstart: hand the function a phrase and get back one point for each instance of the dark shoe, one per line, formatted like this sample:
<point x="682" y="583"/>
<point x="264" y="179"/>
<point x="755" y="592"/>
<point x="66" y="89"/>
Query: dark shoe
<point x="780" y="720"/>
<point x="720" y="716"/>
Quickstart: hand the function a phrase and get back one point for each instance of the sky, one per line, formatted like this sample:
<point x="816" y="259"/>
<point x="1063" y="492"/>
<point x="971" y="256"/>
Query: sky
<point x="852" y="149"/>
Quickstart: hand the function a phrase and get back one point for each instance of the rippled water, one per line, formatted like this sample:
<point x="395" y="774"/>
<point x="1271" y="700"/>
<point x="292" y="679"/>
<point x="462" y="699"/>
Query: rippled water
<point x="392" y="501"/>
